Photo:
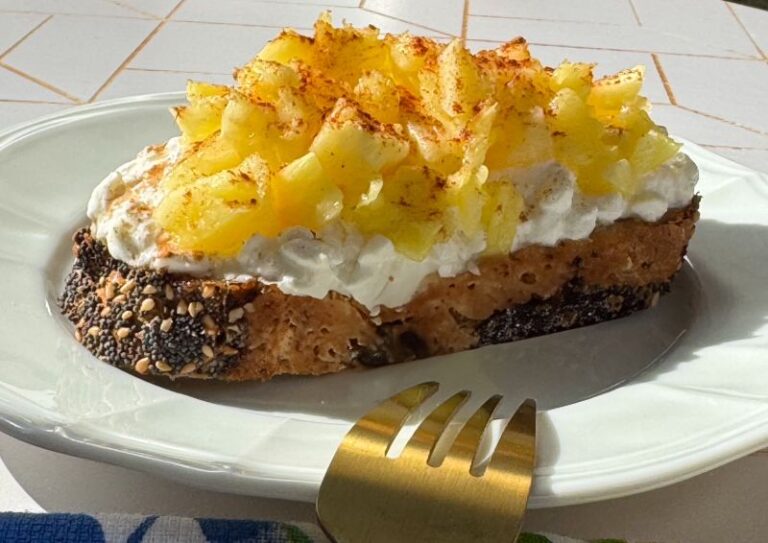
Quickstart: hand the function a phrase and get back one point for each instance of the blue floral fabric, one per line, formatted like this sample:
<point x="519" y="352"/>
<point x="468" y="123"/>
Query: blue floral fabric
<point x="114" y="528"/>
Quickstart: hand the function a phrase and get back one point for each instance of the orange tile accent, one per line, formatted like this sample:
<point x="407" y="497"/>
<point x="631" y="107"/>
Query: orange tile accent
<point x="663" y="76"/>
<point x="388" y="16"/>
<point x="136" y="51"/>
<point x="722" y="120"/>
<point x="41" y="83"/>
<point x="135" y="10"/>
<point x="465" y="21"/>
<point x="635" y="13"/>
<point x="744" y="28"/>
<point x="24" y="37"/>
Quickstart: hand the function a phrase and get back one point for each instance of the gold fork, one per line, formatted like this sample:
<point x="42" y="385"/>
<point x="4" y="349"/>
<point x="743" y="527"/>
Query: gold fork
<point x="419" y="496"/>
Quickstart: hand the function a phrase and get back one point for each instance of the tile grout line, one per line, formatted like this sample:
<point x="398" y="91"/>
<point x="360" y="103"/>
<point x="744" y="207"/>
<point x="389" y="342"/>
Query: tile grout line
<point x="405" y="21"/>
<point x="69" y="14"/>
<point x="131" y="8"/>
<point x="18" y="42"/>
<point x="42" y="83"/>
<point x="541" y="44"/>
<point x="635" y="13"/>
<point x="664" y="80"/>
<point x="18" y="101"/>
<point x="722" y="120"/>
<point x="464" y="23"/>
<point x="136" y="51"/>
<point x="169" y="71"/>
<point x="746" y="31"/>
<point x="734" y="147"/>
<point x="574" y="21"/>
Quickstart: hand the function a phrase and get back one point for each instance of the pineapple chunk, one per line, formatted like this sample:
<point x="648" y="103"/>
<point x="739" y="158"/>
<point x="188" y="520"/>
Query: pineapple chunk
<point x="577" y="77"/>
<point x="207" y="158"/>
<point x="652" y="150"/>
<point x="200" y="118"/>
<point x="610" y="93"/>
<point x="354" y="149"/>
<point x="216" y="215"/>
<point x="287" y="47"/>
<point x="377" y="95"/>
<point x="501" y="215"/>
<point x="304" y="195"/>
<point x="262" y="80"/>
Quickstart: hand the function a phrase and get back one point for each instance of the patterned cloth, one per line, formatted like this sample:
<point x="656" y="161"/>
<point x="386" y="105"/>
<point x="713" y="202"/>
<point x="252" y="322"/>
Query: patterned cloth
<point x="114" y="528"/>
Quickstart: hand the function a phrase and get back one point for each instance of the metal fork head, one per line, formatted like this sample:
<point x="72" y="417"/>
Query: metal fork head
<point x="423" y="495"/>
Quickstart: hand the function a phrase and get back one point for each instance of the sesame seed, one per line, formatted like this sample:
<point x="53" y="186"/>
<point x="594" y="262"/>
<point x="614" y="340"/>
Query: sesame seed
<point x="148" y="304"/>
<point x="93" y="331"/>
<point x="168" y="292"/>
<point x="181" y="308"/>
<point x="236" y="314"/>
<point x="163" y="366"/>
<point x="207" y="351"/>
<point x="142" y="366"/>
<point x="106" y="311"/>
<point x="128" y="286"/>
<point x="166" y="325"/>
<point x="229" y="351"/>
<point x="119" y="299"/>
<point x="188" y="368"/>
<point x="109" y="291"/>
<point x="149" y="289"/>
<point x="208" y="291"/>
<point x="78" y="335"/>
<point x="249" y="307"/>
<point x="126" y="315"/>
<point x="195" y="308"/>
<point x="122" y="332"/>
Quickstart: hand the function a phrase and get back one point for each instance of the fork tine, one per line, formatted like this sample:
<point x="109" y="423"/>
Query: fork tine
<point x="376" y="430"/>
<point x="516" y="449"/>
<point x="422" y="443"/>
<point x="465" y="446"/>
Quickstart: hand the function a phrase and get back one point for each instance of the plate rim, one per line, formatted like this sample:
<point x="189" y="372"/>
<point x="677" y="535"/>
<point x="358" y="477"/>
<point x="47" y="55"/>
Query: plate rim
<point x="573" y="489"/>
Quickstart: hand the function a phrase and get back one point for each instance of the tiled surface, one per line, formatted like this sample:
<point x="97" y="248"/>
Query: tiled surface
<point x="707" y="76"/>
<point x="707" y="72"/>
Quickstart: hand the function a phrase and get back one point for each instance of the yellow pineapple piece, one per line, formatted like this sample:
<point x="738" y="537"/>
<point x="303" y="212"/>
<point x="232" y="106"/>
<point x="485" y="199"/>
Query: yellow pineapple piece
<point x="610" y="93"/>
<point x="287" y="47"/>
<point x="262" y="80"/>
<point x="216" y="215"/>
<point x="304" y="195"/>
<point x="202" y="117"/>
<point x="354" y="149"/>
<point x="652" y="150"/>
<point x="577" y="77"/>
<point x="203" y="159"/>
<point x="377" y="95"/>
<point x="501" y="215"/>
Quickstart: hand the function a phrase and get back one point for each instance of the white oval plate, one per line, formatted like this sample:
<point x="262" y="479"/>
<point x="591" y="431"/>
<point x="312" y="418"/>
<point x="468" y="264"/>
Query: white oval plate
<point x="693" y="373"/>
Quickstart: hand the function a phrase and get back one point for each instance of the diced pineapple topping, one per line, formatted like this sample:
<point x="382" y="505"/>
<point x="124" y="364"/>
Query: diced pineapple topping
<point x="397" y="136"/>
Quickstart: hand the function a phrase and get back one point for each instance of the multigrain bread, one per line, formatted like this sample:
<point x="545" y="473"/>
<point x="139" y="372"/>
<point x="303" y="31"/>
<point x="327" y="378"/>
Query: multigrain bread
<point x="154" y="322"/>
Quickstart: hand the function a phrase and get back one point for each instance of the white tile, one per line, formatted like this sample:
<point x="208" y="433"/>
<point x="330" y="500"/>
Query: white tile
<point x="133" y="82"/>
<point x="754" y="158"/>
<point x="78" y="54"/>
<point x="198" y="47"/>
<point x="158" y="8"/>
<point x="698" y="20"/>
<point x="705" y="130"/>
<point x="13" y="27"/>
<point x="596" y="36"/>
<point x="756" y="22"/>
<point x="441" y="15"/>
<point x="734" y="90"/>
<point x="76" y="7"/>
<point x="608" y="62"/>
<point x="599" y="11"/>
<point x="18" y="112"/>
<point x="15" y="87"/>
<point x="300" y="16"/>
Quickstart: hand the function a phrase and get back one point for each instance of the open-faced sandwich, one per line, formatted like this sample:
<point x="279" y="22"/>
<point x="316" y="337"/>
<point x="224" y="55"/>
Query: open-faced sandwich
<point x="359" y="200"/>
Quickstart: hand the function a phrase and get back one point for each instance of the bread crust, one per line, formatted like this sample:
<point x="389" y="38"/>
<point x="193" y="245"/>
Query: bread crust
<point x="201" y="328"/>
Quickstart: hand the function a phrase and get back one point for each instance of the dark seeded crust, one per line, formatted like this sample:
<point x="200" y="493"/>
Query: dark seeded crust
<point x="240" y="331"/>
